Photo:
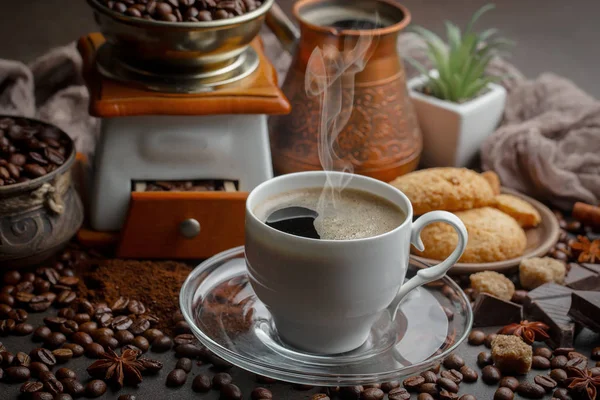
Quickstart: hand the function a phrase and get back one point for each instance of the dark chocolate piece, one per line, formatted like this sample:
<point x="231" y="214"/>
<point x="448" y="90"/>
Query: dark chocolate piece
<point x="546" y="291"/>
<point x="583" y="277"/>
<point x="492" y="311"/>
<point x="550" y="304"/>
<point x="585" y="309"/>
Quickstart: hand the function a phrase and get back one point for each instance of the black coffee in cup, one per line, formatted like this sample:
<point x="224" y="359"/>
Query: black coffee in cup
<point x="353" y="214"/>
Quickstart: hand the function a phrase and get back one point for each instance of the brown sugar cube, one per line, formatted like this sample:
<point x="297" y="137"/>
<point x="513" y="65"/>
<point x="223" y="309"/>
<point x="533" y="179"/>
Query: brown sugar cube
<point x="493" y="283"/>
<point x="525" y="214"/>
<point x="511" y="354"/>
<point x="536" y="271"/>
<point x="493" y="179"/>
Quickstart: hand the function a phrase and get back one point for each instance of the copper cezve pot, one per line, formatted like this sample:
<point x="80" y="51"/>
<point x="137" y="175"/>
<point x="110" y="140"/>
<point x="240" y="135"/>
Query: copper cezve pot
<point x="381" y="138"/>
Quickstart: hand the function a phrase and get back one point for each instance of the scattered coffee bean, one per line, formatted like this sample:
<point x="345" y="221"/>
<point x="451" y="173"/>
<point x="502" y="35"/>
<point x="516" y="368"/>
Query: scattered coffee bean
<point x="31" y="387"/>
<point x="577" y="362"/>
<point x="37" y="367"/>
<point x="436" y="368"/>
<point x="504" y="393"/>
<point x="125" y="337"/>
<point x="350" y="392"/>
<point x="95" y="388"/>
<point x="17" y="374"/>
<point x="189" y="350"/>
<point x="561" y="394"/>
<point x="490" y="375"/>
<point x="108" y="342"/>
<point x="141" y="343"/>
<point x="563" y="351"/>
<point x="261" y="393"/>
<point x="510" y="382"/>
<point x="65" y="373"/>
<point x="73" y="387"/>
<point x="53" y="386"/>
<point x="184" y="364"/>
<point x="476" y="338"/>
<point x="63" y="396"/>
<point x="546" y="382"/>
<point x="176" y="378"/>
<point x="76" y="349"/>
<point x="453" y="361"/>
<point x="55" y="340"/>
<point x="488" y="340"/>
<point x="62" y="355"/>
<point x="184" y="339"/>
<point x="221" y="379"/>
<point x="94" y="350"/>
<point x="201" y="383"/>
<point x="531" y="390"/>
<point x="43" y="355"/>
<point x="398" y="394"/>
<point x="23" y="329"/>
<point x="219" y="363"/>
<point x="372" y="394"/>
<point x="543" y="352"/>
<point x="162" y="344"/>
<point x="559" y="375"/>
<point x="88" y="327"/>
<point x="425" y="396"/>
<point x="539" y="362"/>
<point x="559" y="361"/>
<point x="391" y="385"/>
<point x="430" y="388"/>
<point x="446" y="395"/>
<point x="484" y="358"/>
<point x="231" y="392"/>
<point x="454" y="375"/>
<point x="469" y="374"/>
<point x="430" y="376"/>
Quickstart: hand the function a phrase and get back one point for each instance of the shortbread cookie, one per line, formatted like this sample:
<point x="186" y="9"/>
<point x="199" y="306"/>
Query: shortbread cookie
<point x="449" y="189"/>
<point x="493" y="236"/>
<point x="493" y="179"/>
<point x="534" y="272"/>
<point x="493" y="283"/>
<point x="525" y="214"/>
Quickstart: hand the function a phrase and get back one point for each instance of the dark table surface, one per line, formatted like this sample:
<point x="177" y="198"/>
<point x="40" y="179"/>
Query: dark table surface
<point x="154" y="387"/>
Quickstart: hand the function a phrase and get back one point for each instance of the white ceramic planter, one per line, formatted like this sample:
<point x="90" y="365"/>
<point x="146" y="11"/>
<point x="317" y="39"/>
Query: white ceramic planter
<point x="452" y="132"/>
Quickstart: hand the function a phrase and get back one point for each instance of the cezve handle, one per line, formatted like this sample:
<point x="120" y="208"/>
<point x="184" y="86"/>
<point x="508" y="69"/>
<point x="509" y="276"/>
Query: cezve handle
<point x="283" y="28"/>
<point x="435" y="272"/>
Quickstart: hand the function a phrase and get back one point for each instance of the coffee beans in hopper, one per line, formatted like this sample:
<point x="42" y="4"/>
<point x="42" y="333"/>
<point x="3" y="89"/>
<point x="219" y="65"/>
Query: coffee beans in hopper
<point x="183" y="10"/>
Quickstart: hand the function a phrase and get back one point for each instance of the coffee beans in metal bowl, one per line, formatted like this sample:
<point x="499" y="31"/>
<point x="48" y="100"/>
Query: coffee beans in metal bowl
<point x="182" y="10"/>
<point x="30" y="149"/>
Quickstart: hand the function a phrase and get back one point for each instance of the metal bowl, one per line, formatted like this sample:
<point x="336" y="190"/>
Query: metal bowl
<point x="172" y="46"/>
<point x="31" y="234"/>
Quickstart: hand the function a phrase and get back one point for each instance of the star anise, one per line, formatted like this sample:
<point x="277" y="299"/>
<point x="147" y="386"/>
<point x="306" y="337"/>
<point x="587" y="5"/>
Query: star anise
<point x="118" y="369"/>
<point x="582" y="382"/>
<point x="528" y="331"/>
<point x="589" y="251"/>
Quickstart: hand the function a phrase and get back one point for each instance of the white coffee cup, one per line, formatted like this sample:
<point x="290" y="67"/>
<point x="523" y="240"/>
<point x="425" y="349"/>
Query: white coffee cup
<point x="324" y="295"/>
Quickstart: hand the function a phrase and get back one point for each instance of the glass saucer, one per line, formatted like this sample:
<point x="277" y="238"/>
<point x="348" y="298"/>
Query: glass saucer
<point x="226" y="316"/>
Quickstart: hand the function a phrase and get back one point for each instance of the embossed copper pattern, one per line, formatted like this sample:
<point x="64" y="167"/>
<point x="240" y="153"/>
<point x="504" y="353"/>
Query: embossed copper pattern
<point x="381" y="139"/>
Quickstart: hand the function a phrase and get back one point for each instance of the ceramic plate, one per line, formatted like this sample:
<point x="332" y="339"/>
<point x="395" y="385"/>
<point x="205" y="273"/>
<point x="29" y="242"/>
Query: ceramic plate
<point x="226" y="316"/>
<point x="539" y="241"/>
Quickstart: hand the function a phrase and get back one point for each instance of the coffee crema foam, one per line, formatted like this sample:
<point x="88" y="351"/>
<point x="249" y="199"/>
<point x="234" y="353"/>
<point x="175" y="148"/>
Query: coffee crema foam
<point x="357" y="214"/>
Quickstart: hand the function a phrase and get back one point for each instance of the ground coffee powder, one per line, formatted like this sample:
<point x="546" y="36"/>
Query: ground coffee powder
<point x="155" y="284"/>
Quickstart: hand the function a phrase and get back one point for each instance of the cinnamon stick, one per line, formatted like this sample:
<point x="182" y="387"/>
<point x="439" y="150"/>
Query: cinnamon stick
<point x="587" y="214"/>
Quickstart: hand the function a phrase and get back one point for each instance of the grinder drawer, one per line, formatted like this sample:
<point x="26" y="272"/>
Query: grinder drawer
<point x="182" y="225"/>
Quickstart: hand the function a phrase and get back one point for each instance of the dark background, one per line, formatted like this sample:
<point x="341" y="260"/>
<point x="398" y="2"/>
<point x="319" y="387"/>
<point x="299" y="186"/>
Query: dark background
<point x="553" y="35"/>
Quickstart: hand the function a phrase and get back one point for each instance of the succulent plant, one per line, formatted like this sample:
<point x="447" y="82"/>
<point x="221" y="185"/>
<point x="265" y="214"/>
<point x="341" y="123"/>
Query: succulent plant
<point x="461" y="63"/>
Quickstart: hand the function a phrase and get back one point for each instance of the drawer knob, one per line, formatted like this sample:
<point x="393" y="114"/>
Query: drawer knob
<point x="190" y="228"/>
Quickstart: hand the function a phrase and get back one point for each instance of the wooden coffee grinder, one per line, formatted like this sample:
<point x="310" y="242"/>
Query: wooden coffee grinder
<point x="178" y="102"/>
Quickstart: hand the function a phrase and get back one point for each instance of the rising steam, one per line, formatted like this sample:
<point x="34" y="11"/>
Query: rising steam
<point x="330" y="75"/>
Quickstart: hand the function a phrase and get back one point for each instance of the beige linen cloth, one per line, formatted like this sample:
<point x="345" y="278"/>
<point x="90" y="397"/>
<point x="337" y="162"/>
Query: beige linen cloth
<point x="548" y="146"/>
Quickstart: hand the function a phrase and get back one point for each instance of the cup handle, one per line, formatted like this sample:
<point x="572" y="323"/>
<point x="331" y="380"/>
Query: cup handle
<point x="435" y="272"/>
